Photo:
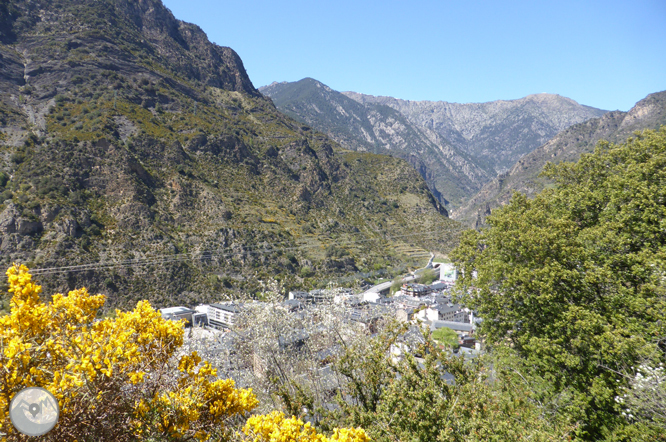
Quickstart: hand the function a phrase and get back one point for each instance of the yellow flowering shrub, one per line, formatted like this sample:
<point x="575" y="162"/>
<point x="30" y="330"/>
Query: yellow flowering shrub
<point x="275" y="427"/>
<point x="115" y="379"/>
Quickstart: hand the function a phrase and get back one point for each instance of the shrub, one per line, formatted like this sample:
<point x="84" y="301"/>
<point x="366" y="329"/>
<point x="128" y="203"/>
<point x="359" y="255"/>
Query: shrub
<point x="276" y="427"/>
<point x="446" y="336"/>
<point x="121" y="377"/>
<point x="115" y="379"/>
<point x="396" y="286"/>
<point x="306" y="271"/>
<point x="428" y="276"/>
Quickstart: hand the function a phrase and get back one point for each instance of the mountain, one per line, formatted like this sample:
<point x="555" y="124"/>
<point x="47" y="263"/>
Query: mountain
<point x="568" y="145"/>
<point x="496" y="133"/>
<point x="137" y="159"/>
<point x="457" y="148"/>
<point x="381" y="129"/>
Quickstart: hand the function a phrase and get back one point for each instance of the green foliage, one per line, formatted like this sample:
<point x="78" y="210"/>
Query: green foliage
<point x="428" y="276"/>
<point x="446" y="336"/>
<point x="438" y="398"/>
<point x="333" y="251"/>
<point x="396" y="286"/>
<point x="574" y="279"/>
<point x="306" y="272"/>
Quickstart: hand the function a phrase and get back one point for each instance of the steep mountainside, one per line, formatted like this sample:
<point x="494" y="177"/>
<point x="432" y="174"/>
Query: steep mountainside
<point x="496" y="133"/>
<point x="137" y="159"/>
<point x="457" y="148"/>
<point x="616" y="127"/>
<point x="450" y="173"/>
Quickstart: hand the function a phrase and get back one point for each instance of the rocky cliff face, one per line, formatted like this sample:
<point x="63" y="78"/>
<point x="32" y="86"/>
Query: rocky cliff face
<point x="569" y="145"/>
<point x="451" y="174"/>
<point x="456" y="147"/>
<point x="137" y="159"/>
<point x="496" y="133"/>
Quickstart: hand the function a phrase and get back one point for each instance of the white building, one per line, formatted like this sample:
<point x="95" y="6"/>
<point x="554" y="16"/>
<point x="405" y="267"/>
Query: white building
<point x="448" y="273"/>
<point x="221" y="316"/>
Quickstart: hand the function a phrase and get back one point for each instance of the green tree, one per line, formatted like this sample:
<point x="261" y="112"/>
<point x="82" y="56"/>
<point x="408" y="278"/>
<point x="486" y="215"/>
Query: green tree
<point x="439" y="397"/>
<point x="573" y="280"/>
<point x="396" y="286"/>
<point x="446" y="336"/>
<point x="428" y="276"/>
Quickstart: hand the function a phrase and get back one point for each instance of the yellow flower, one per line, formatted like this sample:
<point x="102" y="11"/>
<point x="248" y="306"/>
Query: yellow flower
<point x="62" y="347"/>
<point x="274" y="427"/>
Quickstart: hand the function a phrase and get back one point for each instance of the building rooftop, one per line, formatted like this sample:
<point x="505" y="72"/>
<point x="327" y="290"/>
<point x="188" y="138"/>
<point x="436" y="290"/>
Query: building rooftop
<point x="175" y="310"/>
<point x="231" y="308"/>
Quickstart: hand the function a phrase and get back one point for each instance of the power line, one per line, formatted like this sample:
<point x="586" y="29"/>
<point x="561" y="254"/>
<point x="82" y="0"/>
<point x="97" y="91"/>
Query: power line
<point x="209" y="254"/>
<point x="183" y="257"/>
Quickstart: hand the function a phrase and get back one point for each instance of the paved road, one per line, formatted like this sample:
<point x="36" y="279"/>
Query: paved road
<point x="387" y="285"/>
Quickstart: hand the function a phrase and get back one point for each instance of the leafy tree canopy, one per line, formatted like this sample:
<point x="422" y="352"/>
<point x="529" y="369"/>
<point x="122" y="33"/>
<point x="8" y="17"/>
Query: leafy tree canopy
<point x="438" y="397"/>
<point x="573" y="280"/>
<point x="446" y="336"/>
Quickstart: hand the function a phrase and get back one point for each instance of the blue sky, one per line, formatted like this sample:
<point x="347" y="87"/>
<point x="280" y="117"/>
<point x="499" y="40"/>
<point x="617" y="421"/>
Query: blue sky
<point x="607" y="54"/>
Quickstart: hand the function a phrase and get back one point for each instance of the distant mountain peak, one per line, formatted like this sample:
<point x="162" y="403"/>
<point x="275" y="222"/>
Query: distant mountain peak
<point x="568" y="145"/>
<point x="456" y="147"/>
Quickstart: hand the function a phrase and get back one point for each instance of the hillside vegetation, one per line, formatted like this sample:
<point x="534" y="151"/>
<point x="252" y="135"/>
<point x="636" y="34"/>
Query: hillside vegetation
<point x="133" y="145"/>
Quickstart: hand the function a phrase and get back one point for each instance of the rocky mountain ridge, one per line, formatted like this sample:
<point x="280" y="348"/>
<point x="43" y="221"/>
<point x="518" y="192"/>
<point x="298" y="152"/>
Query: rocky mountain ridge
<point x="381" y="129"/>
<point x="457" y="148"/>
<point x="496" y="133"/>
<point x="568" y="145"/>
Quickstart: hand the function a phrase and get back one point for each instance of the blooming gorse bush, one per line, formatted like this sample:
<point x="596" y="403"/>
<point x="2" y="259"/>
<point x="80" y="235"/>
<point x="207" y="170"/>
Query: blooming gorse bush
<point x="120" y="378"/>
<point x="115" y="379"/>
<point x="275" y="427"/>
